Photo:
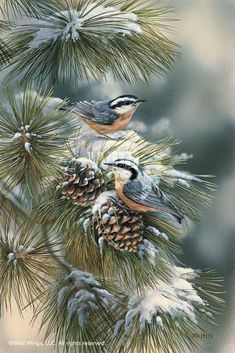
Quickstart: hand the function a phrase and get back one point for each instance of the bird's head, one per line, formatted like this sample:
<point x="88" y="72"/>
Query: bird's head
<point x="124" y="169"/>
<point x="124" y="104"/>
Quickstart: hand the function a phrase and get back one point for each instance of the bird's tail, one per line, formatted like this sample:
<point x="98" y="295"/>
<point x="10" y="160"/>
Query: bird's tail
<point x="169" y="207"/>
<point x="178" y="216"/>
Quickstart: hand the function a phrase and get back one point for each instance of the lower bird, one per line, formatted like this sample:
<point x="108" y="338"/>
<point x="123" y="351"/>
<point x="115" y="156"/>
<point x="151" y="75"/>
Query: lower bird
<point x="108" y="116"/>
<point x="138" y="191"/>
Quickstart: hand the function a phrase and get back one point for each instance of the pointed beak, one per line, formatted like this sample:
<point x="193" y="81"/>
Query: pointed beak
<point x="109" y="164"/>
<point x="140" y="101"/>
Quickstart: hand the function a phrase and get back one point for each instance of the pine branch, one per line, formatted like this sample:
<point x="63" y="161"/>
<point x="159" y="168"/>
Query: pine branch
<point x="26" y="266"/>
<point x="167" y="318"/>
<point x="33" y="132"/>
<point x="81" y="40"/>
<point x="79" y="235"/>
<point x="6" y="51"/>
<point x="80" y="309"/>
<point x="25" y="7"/>
<point x="11" y="204"/>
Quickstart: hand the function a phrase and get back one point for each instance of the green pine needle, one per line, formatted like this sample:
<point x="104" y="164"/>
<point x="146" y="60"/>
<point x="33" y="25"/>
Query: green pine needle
<point x="81" y="40"/>
<point x="25" y="7"/>
<point x="32" y="138"/>
<point x="67" y="220"/>
<point x="168" y="331"/>
<point x="6" y="51"/>
<point x="26" y="264"/>
<point x="92" y="325"/>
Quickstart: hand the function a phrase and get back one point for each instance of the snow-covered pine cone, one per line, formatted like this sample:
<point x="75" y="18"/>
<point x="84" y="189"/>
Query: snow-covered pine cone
<point x="82" y="182"/>
<point x="121" y="227"/>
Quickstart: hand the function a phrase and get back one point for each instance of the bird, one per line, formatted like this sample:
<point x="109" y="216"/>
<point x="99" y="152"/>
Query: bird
<point x="138" y="191"/>
<point x="108" y="116"/>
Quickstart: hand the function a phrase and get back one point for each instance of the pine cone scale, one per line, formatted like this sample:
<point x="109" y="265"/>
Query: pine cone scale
<point x="121" y="227"/>
<point x="82" y="183"/>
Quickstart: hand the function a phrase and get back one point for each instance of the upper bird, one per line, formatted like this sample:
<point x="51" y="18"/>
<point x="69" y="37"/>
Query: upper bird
<point x="138" y="191"/>
<point x="108" y="116"/>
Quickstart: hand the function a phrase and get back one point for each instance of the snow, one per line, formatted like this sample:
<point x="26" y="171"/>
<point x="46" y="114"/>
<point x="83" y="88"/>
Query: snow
<point x="16" y="136"/>
<point x="176" y="298"/>
<point x="27" y="127"/>
<point x="88" y="296"/>
<point x="173" y="173"/>
<point x="30" y="249"/>
<point x="93" y="18"/>
<point x="20" y="248"/>
<point x="102" y="199"/>
<point x="85" y="162"/>
<point x="147" y="249"/>
<point x="118" y="326"/>
<point x="86" y="225"/>
<point x="72" y="27"/>
<point x="186" y="156"/>
<point x="82" y="277"/>
<point x="28" y="147"/>
<point x="183" y="183"/>
<point x="156" y="232"/>
<point x="11" y="257"/>
<point x="101" y="243"/>
<point x="159" y="321"/>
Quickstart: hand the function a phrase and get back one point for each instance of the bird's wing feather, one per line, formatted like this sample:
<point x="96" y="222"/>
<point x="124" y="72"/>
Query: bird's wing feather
<point x="150" y="196"/>
<point x="84" y="109"/>
<point x="94" y="111"/>
<point x="104" y="115"/>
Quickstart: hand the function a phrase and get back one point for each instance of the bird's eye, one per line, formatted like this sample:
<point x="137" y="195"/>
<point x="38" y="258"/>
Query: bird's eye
<point x="121" y="165"/>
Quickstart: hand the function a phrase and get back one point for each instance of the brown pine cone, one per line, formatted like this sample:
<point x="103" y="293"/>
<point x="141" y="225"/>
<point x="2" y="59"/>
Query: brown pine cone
<point x="82" y="182"/>
<point x="120" y="226"/>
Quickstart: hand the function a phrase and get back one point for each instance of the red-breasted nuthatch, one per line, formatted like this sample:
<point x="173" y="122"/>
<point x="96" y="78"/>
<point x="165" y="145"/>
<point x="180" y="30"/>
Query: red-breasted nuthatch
<point x="107" y="117"/>
<point x="138" y="191"/>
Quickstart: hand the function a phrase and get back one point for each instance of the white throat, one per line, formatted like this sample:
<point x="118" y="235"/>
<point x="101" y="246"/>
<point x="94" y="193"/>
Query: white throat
<point x="123" y="109"/>
<point x="122" y="175"/>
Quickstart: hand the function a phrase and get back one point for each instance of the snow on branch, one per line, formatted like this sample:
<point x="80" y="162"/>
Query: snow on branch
<point x="96" y="37"/>
<point x="92" y="19"/>
<point x="84" y="294"/>
<point x="177" y="298"/>
<point x="22" y="252"/>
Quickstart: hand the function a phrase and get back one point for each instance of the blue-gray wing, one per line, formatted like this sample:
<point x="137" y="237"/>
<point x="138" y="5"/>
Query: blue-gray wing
<point x="151" y="196"/>
<point x="96" y="111"/>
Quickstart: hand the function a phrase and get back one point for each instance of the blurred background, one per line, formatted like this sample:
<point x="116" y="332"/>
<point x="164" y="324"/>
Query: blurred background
<point x="195" y="103"/>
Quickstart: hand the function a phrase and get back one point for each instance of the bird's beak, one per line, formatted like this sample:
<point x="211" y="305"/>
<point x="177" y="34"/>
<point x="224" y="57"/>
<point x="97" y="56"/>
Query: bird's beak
<point x="109" y="164"/>
<point x="140" y="101"/>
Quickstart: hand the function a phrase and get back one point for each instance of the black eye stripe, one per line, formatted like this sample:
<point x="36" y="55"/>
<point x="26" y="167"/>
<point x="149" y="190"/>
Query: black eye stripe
<point x="124" y="166"/>
<point x="133" y="172"/>
<point x="120" y="104"/>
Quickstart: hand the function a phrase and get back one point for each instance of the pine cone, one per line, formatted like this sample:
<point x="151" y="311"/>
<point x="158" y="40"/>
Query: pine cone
<point x="82" y="182"/>
<point x="120" y="226"/>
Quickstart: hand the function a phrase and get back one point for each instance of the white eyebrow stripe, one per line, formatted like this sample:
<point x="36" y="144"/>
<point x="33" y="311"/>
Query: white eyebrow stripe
<point x="127" y="162"/>
<point x="122" y="99"/>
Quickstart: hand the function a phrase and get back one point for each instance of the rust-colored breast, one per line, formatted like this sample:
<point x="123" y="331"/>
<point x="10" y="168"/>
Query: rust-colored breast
<point x="117" y="125"/>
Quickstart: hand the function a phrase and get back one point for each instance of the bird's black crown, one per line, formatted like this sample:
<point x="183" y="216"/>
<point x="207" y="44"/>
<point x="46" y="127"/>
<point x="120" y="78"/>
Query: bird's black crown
<point x="123" y="100"/>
